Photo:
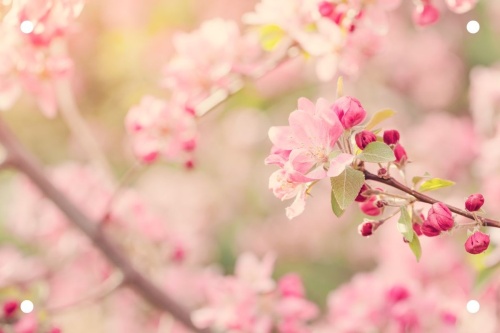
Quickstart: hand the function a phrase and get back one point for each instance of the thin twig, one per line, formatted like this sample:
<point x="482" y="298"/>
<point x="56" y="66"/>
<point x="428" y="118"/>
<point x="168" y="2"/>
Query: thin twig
<point x="426" y="199"/>
<point x="24" y="162"/>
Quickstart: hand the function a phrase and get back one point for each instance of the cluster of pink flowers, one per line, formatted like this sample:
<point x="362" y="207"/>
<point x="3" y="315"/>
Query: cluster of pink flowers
<point x="161" y="128"/>
<point x="252" y="302"/>
<point x="226" y="53"/>
<point x="306" y="150"/>
<point x="29" y="30"/>
<point x="368" y="303"/>
<point x="335" y="33"/>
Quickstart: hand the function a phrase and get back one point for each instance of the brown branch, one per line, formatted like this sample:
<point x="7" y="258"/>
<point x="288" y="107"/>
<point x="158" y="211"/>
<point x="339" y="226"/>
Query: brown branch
<point x="19" y="158"/>
<point x="424" y="198"/>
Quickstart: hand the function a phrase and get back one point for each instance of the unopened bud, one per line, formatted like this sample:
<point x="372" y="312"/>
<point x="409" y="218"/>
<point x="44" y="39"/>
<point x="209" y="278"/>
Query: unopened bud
<point x="361" y="197"/>
<point x="349" y="111"/>
<point x="477" y="243"/>
<point x="364" y="138"/>
<point x="369" y="207"/>
<point x="326" y="8"/>
<point x="440" y="217"/>
<point x="365" y="229"/>
<point x="425" y="14"/>
<point x="10" y="307"/>
<point x="417" y="228"/>
<point x="391" y="137"/>
<point x="382" y="172"/>
<point x="429" y="230"/>
<point x="397" y="294"/>
<point x="474" y="202"/>
<point x="400" y="154"/>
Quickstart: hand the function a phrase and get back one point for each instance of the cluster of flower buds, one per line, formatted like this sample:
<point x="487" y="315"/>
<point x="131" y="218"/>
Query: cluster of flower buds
<point x="14" y="320"/>
<point x="477" y="242"/>
<point x="439" y="219"/>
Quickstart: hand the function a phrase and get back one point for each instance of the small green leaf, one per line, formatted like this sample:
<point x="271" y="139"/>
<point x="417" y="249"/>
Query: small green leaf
<point x="405" y="226"/>
<point x="270" y="36"/>
<point x="379" y="117"/>
<point x="434" y="184"/>
<point x="335" y="206"/>
<point x="415" y="247"/>
<point x="377" y="152"/>
<point x="346" y="186"/>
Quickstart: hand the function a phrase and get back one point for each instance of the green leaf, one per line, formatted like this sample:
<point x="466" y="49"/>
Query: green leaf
<point x="379" y="117"/>
<point x="270" y="36"/>
<point x="335" y="206"/>
<point x="346" y="186"/>
<point x="415" y="247"/>
<point x="405" y="226"/>
<point x="434" y="184"/>
<point x="377" y="152"/>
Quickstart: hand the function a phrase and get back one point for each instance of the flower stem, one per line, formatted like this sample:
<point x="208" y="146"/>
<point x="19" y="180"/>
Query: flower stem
<point x="426" y="199"/>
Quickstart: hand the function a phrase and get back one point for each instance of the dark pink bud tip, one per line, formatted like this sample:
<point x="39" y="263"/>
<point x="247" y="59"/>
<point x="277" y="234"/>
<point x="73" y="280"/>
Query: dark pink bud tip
<point x="361" y="197"/>
<point x="370" y="208"/>
<point x="326" y="8"/>
<point x="417" y="228"/>
<point x="426" y="15"/>
<point x="364" y="138"/>
<point x="477" y="243"/>
<point x="474" y="202"/>
<point x="365" y="229"/>
<point x="10" y="307"/>
<point x="429" y="230"/>
<point x="349" y="111"/>
<point x="440" y="217"/>
<point x="391" y="137"/>
<point x="397" y="294"/>
<point x="400" y="154"/>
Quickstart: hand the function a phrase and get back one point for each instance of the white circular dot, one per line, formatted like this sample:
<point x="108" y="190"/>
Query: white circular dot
<point x="473" y="27"/>
<point x="27" y="27"/>
<point x="473" y="306"/>
<point x="27" y="306"/>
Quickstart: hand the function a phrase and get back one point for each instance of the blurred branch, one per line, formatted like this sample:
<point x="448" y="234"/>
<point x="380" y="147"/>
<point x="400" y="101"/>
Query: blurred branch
<point x="24" y="162"/>
<point x="426" y="199"/>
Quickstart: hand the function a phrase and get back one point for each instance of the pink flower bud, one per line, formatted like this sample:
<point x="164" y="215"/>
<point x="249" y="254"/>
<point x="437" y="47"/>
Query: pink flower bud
<point x="391" y="137"/>
<point x="440" y="217"/>
<point x="349" y="110"/>
<point x="448" y="318"/>
<point x="477" y="243"/>
<point x="365" y="229"/>
<point x="370" y="208"/>
<point x="361" y="197"/>
<point x="429" y="230"/>
<point x="474" y="202"/>
<point x="425" y="14"/>
<point x="9" y="308"/>
<point x="291" y="285"/>
<point x="397" y="294"/>
<point x="363" y="138"/>
<point x="417" y="228"/>
<point x="326" y="8"/>
<point x="400" y="154"/>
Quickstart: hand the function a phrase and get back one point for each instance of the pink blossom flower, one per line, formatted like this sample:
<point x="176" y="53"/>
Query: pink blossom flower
<point x="254" y="273"/>
<point x="461" y="6"/>
<point x="161" y="128"/>
<point x="207" y="59"/>
<point x="303" y="151"/>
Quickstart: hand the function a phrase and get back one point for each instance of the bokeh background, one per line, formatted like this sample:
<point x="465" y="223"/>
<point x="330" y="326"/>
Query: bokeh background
<point x="443" y="82"/>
